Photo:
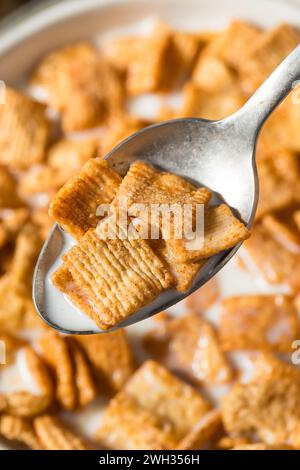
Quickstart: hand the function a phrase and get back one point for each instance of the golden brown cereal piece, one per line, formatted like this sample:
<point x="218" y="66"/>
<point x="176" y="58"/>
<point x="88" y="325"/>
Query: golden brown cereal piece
<point x="28" y="245"/>
<point x="81" y="85"/>
<point x="157" y="390"/>
<point x="127" y="426"/>
<point x="12" y="305"/>
<point x="26" y="405"/>
<point x="118" y="130"/>
<point x="258" y="322"/>
<point x="56" y="353"/>
<point x="189" y="345"/>
<point x="222" y="230"/>
<point x="212" y="74"/>
<point x="14" y="220"/>
<point x="280" y="133"/>
<point x="39" y="371"/>
<point x="55" y="435"/>
<point x="84" y="382"/>
<point x="111" y="359"/>
<point x="8" y="189"/>
<point x="143" y="59"/>
<point x="75" y="205"/>
<point x="276" y="191"/>
<point x="204" y="297"/>
<point x="68" y="156"/>
<point x="24" y="131"/>
<point x="283" y="228"/>
<point x="214" y="105"/>
<point x="143" y="184"/>
<point x="181" y="55"/>
<point x="235" y="44"/>
<point x="12" y="344"/>
<point x="18" y="429"/>
<point x="184" y="273"/>
<point x="275" y="263"/>
<point x="40" y="179"/>
<point x="268" y="406"/>
<point x="113" y="277"/>
<point x="271" y="48"/>
<point x="203" y="433"/>
<point x="42" y="220"/>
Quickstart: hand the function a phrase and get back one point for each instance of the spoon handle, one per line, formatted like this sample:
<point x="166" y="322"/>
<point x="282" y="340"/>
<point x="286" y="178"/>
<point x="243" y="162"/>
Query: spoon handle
<point x="270" y="94"/>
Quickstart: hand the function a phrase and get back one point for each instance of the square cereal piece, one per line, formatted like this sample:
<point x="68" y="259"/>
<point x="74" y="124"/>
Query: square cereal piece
<point x="204" y="433"/>
<point x="258" y="322"/>
<point x="190" y="346"/>
<point x="142" y="59"/>
<point x="143" y="184"/>
<point x="200" y="103"/>
<point x="281" y="129"/>
<point x="222" y="230"/>
<point x="112" y="277"/>
<point x="8" y="190"/>
<point x="271" y="48"/>
<point x="81" y="85"/>
<point x="268" y="407"/>
<point x="182" y="53"/>
<point x="67" y="156"/>
<point x="158" y="391"/>
<point x="283" y="228"/>
<point x="277" y="264"/>
<point x="111" y="358"/>
<point x="24" y="131"/>
<point x="205" y="297"/>
<point x="75" y="205"/>
<point x="212" y="74"/>
<point x="184" y="273"/>
<point x="118" y="130"/>
<point x="276" y="191"/>
<point x="235" y="44"/>
<point x="127" y="426"/>
<point x="53" y="434"/>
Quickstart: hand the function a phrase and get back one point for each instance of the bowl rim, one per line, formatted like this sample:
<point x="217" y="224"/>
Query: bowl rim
<point x="33" y="16"/>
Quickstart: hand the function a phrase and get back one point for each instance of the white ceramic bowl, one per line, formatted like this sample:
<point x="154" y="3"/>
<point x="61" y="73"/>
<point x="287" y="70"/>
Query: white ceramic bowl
<point x="27" y="36"/>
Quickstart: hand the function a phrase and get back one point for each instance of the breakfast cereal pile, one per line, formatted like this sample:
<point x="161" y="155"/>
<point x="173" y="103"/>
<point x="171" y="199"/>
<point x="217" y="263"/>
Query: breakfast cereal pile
<point x="162" y="401"/>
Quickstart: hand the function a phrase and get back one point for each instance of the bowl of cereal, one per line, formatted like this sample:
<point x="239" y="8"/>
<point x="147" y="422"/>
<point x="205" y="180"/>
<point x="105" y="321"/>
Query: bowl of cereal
<point x="76" y="79"/>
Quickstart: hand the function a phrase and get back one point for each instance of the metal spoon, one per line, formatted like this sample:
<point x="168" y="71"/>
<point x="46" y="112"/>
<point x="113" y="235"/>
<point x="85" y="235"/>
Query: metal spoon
<point x="217" y="154"/>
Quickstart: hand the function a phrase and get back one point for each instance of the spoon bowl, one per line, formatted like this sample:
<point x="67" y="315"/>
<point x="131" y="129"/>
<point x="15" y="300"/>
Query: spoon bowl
<point x="217" y="154"/>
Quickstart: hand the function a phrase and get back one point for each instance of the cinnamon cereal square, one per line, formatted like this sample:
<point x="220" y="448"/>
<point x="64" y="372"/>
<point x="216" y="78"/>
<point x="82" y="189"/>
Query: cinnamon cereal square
<point x="128" y="426"/>
<point x="114" y="276"/>
<point x="158" y="391"/>
<point x="24" y="131"/>
<point x="258" y="322"/>
<point x="81" y="85"/>
<point x="142" y="59"/>
<point x="213" y="105"/>
<point x="191" y="346"/>
<point x="111" y="358"/>
<point x="75" y="205"/>
<point x="268" y="406"/>
<point x="271" y="48"/>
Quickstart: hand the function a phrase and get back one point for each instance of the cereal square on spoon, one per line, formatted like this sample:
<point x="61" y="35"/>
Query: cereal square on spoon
<point x="110" y="279"/>
<point x="75" y="205"/>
